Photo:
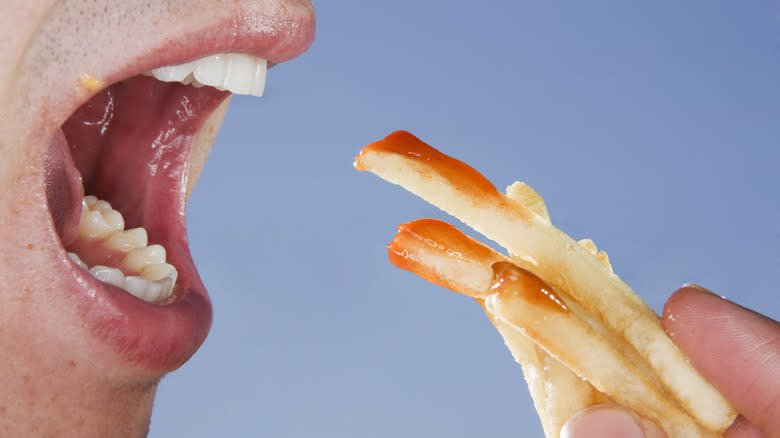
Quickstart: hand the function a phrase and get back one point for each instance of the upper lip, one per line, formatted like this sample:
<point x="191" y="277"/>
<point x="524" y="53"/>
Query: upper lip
<point x="278" y="39"/>
<point x="276" y="36"/>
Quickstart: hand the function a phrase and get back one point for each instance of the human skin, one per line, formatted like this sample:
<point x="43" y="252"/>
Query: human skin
<point x="77" y="357"/>
<point x="736" y="349"/>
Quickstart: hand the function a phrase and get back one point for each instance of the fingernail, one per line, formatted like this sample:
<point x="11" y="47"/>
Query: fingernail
<point x="607" y="421"/>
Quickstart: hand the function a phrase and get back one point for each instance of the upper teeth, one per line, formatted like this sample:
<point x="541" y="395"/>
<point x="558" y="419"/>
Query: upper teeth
<point x="234" y="72"/>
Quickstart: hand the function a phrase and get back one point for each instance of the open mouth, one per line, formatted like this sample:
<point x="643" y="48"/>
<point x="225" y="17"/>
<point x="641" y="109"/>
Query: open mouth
<point x="127" y="149"/>
<point x="117" y="175"/>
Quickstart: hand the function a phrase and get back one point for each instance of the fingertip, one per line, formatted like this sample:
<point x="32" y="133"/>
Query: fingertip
<point x="686" y="294"/>
<point x="685" y="303"/>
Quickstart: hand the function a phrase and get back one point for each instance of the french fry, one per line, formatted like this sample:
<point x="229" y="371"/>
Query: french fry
<point x="565" y="392"/>
<point x="534" y="244"/>
<point x="443" y="255"/>
<point x="526" y="311"/>
<point x="524" y="195"/>
<point x="520" y="297"/>
<point x="527" y="197"/>
<point x="532" y="361"/>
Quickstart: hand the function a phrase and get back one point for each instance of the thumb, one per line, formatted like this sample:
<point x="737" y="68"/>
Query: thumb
<point x="609" y="421"/>
<point x="734" y="348"/>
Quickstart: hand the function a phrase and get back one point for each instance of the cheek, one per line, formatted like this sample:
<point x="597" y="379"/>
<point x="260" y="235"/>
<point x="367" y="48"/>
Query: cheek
<point x="63" y="189"/>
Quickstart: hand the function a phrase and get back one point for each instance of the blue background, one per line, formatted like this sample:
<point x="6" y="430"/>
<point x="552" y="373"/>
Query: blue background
<point x="651" y="127"/>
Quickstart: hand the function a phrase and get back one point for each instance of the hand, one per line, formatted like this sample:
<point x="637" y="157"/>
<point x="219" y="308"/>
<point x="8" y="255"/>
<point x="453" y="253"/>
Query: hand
<point x="736" y="349"/>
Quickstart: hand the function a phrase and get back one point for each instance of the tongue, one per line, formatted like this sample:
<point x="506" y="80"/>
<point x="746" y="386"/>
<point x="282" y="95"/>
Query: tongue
<point x="63" y="188"/>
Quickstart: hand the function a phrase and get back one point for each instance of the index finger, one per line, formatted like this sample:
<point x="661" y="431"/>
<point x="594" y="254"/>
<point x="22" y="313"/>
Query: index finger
<point x="736" y="349"/>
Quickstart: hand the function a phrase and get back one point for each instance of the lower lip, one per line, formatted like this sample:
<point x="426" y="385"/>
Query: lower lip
<point x="156" y="338"/>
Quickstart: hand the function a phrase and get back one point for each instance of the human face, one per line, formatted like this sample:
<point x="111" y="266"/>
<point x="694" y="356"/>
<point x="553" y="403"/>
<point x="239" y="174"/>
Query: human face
<point x="77" y="355"/>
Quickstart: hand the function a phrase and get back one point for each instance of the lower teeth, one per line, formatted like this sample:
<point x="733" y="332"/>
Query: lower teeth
<point x="100" y="226"/>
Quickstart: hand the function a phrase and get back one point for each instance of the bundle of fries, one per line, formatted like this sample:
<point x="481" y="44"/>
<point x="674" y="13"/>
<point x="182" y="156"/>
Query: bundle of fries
<point x="581" y="335"/>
